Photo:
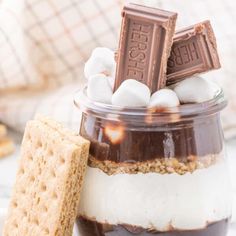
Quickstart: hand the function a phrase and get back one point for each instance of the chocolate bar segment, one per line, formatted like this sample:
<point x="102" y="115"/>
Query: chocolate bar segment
<point x="194" y="51"/>
<point x="145" y="43"/>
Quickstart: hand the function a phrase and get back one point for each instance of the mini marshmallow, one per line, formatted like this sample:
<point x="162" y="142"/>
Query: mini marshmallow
<point x="101" y="61"/>
<point x="195" y="90"/>
<point x="99" y="89"/>
<point x="131" y="93"/>
<point x="164" y="98"/>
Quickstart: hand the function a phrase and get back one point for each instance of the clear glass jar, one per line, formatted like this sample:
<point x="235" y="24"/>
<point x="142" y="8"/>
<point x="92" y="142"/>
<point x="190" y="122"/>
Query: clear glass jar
<point x="154" y="172"/>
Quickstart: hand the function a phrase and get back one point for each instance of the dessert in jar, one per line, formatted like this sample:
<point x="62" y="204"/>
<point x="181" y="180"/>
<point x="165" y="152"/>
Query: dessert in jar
<point x="162" y="173"/>
<point x="157" y="164"/>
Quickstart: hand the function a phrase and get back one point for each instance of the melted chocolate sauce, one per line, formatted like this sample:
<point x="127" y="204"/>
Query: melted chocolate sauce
<point x="198" y="137"/>
<point x="93" y="228"/>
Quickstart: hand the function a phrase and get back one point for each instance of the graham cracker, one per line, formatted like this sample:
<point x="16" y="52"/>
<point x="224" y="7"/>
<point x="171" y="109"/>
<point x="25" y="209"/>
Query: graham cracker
<point x="3" y="131"/>
<point x="50" y="176"/>
<point x="72" y="136"/>
<point x="7" y="147"/>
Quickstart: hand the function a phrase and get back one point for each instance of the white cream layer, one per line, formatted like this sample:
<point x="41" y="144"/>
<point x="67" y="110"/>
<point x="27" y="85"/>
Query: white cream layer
<point x="152" y="200"/>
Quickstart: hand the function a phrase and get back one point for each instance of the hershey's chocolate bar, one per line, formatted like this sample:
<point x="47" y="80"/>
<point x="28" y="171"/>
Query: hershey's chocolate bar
<point x="145" y="44"/>
<point x="194" y="51"/>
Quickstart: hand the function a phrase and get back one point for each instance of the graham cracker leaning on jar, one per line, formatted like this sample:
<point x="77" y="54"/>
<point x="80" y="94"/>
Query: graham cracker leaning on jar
<point x="48" y="182"/>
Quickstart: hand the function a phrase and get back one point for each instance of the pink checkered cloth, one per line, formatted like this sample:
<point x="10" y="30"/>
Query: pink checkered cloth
<point x="43" y="47"/>
<point x="44" y="44"/>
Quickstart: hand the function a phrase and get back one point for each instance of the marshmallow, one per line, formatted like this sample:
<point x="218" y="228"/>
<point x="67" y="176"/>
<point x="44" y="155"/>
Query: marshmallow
<point x="111" y="81"/>
<point x="131" y="93"/>
<point x="195" y="90"/>
<point x="99" y="89"/>
<point x="167" y="201"/>
<point x="164" y="98"/>
<point x="102" y="61"/>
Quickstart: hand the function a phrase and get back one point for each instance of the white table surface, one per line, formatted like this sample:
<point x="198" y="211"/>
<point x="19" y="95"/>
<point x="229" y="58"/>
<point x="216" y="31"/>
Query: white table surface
<point x="8" y="168"/>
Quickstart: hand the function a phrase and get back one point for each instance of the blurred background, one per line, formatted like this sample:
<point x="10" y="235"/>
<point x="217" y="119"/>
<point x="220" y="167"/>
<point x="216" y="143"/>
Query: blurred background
<point x="43" y="47"/>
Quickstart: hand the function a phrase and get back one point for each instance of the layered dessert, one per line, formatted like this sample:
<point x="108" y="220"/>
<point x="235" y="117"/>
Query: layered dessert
<point x="158" y="181"/>
<point x="157" y="163"/>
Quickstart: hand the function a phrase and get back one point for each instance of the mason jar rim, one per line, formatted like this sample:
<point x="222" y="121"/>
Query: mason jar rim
<point x="185" y="111"/>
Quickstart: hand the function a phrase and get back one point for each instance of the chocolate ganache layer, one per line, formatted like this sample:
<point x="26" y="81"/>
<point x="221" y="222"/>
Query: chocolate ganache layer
<point x="93" y="228"/>
<point x="113" y="141"/>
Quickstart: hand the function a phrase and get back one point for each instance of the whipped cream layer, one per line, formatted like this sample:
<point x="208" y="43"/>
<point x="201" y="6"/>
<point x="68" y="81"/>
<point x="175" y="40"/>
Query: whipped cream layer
<point x="156" y="201"/>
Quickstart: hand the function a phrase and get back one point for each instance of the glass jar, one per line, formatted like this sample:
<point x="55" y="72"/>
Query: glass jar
<point x="154" y="172"/>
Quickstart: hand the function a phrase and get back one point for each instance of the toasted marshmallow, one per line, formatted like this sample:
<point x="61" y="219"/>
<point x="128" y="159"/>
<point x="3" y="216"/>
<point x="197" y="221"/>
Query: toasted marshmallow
<point x="99" y="89"/>
<point x="131" y="93"/>
<point x="164" y="98"/>
<point x="101" y="61"/>
<point x="195" y="90"/>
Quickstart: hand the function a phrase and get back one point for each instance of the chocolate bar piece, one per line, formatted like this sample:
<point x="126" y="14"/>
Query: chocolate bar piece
<point x="145" y="44"/>
<point x="194" y="51"/>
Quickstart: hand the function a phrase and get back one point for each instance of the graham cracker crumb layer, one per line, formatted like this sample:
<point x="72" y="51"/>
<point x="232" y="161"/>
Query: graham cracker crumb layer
<point x="161" y="165"/>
